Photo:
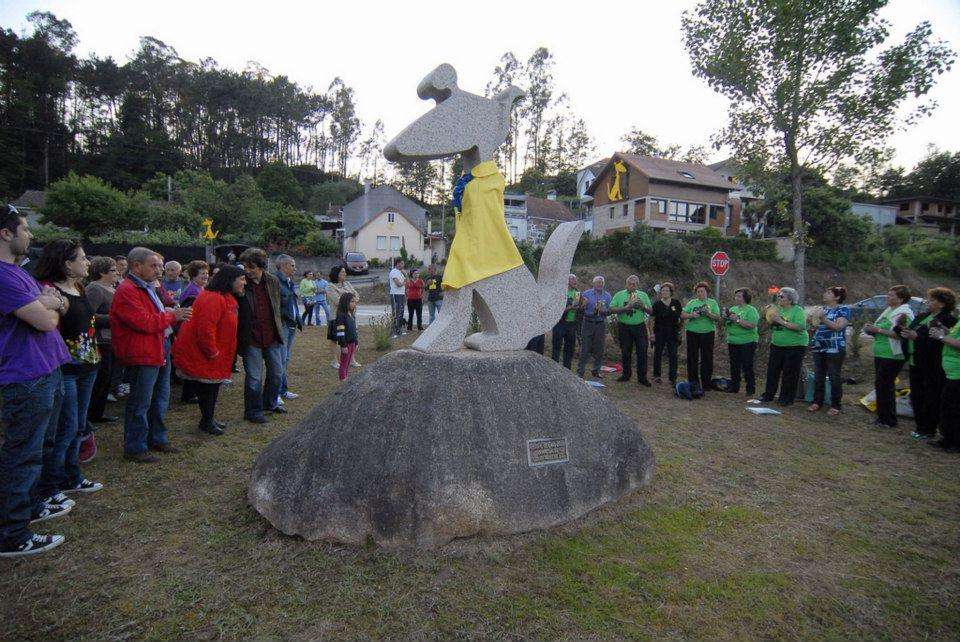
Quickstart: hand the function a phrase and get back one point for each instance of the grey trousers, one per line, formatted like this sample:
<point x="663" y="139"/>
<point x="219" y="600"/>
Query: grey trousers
<point x="591" y="343"/>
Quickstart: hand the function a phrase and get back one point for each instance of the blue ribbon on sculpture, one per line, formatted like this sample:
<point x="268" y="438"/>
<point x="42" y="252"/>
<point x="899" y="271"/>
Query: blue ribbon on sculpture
<point x="458" y="190"/>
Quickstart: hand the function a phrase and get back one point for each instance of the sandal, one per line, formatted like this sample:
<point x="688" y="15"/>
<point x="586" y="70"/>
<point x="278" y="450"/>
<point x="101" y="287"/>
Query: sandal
<point x="814" y="407"/>
<point x="833" y="412"/>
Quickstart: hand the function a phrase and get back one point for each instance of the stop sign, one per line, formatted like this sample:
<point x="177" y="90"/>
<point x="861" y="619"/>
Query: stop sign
<point x="719" y="263"/>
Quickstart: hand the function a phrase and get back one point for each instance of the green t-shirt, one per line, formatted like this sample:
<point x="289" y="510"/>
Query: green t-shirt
<point x="701" y="325"/>
<point x="737" y="334"/>
<point x="951" y="356"/>
<point x="571" y="297"/>
<point x="913" y="347"/>
<point x="791" y="338"/>
<point x="882" y="344"/>
<point x="638" y="316"/>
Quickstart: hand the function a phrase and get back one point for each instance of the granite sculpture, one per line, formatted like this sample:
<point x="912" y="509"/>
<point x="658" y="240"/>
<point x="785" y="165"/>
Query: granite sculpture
<point x="443" y="442"/>
<point x="484" y="269"/>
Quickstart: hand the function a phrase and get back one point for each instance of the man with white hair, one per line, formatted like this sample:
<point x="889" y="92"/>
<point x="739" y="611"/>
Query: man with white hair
<point x="595" y="306"/>
<point x="289" y="315"/>
<point x="632" y="307"/>
<point x="564" y="333"/>
<point x="172" y="283"/>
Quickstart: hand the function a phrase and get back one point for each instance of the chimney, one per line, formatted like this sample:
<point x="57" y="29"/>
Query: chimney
<point x="366" y="186"/>
<point x="552" y="195"/>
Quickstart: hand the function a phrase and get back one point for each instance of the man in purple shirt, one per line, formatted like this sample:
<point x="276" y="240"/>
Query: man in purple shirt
<point x="31" y="353"/>
<point x="595" y="304"/>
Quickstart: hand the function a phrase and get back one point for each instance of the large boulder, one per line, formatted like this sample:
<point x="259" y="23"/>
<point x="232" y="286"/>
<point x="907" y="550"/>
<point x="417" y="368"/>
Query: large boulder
<point x="419" y="449"/>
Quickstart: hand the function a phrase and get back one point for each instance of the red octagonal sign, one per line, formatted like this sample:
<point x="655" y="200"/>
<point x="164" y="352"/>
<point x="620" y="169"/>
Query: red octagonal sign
<point x="719" y="263"/>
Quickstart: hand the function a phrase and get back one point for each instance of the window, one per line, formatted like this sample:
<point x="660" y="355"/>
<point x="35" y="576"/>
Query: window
<point x="682" y="212"/>
<point x="391" y="217"/>
<point x="658" y="205"/>
<point x="514" y="231"/>
<point x="611" y="213"/>
<point x="697" y="213"/>
<point x="381" y="242"/>
<point x="686" y="174"/>
<point x="904" y="207"/>
<point x="395" y="243"/>
<point x="626" y="209"/>
<point x="718" y="212"/>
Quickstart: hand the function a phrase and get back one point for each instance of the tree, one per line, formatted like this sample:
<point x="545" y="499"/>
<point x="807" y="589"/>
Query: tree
<point x="371" y="153"/>
<point x="644" y="144"/>
<point x="937" y="174"/>
<point x="808" y="83"/>
<point x="506" y="74"/>
<point x="345" y="126"/>
<point x="337" y="192"/>
<point x="287" y="228"/>
<point x="277" y="183"/>
<point x="539" y="94"/>
<point x="85" y="204"/>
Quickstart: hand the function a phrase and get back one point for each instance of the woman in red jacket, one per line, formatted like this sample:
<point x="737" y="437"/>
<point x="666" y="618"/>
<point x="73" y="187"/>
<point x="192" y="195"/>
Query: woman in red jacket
<point x="206" y="344"/>
<point x="414" y="287"/>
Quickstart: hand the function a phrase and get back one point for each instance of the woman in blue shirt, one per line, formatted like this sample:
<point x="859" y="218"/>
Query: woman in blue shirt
<point x="829" y="347"/>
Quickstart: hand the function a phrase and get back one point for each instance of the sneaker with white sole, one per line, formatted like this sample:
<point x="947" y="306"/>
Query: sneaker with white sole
<point x="111" y="398"/>
<point x="60" y="499"/>
<point x="33" y="546"/>
<point x="335" y="365"/>
<point x="85" y="486"/>
<point x="50" y="511"/>
<point x="290" y="395"/>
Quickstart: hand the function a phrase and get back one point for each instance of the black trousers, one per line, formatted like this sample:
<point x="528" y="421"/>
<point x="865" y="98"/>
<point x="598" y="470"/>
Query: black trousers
<point x="633" y="337"/>
<point x="783" y="372"/>
<point x="563" y="340"/>
<point x="666" y="344"/>
<point x="414" y="306"/>
<point x="101" y="387"/>
<point x="207" y="394"/>
<point x="886" y="371"/>
<point x="700" y="357"/>
<point x="926" y="393"/>
<point x="950" y="413"/>
<point x="828" y="365"/>
<point x="307" y="315"/>
<point x="742" y="359"/>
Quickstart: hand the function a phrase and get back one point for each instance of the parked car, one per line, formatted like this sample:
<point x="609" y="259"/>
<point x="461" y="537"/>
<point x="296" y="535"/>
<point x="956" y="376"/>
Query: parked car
<point x="870" y="309"/>
<point x="356" y="263"/>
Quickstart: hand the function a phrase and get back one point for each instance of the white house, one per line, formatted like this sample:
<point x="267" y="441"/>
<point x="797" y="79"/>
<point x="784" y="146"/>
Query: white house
<point x="529" y="217"/>
<point x="381" y="221"/>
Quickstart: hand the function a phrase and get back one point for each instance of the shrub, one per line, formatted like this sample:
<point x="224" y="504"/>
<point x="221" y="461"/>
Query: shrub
<point x="318" y="243"/>
<point x="85" y="204"/>
<point x="43" y="234"/>
<point x="154" y="237"/>
<point x="382" y="327"/>
<point x="287" y="228"/>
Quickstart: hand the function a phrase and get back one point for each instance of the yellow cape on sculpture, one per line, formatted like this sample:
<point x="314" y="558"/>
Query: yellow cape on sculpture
<point x="482" y="246"/>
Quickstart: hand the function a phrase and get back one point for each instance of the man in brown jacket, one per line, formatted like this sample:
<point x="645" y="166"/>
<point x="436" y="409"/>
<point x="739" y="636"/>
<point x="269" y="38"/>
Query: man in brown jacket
<point x="260" y="337"/>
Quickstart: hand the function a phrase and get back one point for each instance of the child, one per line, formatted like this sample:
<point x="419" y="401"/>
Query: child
<point x="343" y="330"/>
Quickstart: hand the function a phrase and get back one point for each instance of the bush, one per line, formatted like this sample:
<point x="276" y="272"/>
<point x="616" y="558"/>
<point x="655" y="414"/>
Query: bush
<point x="643" y="248"/>
<point x="318" y="243"/>
<point x="382" y="327"/>
<point x="934" y="255"/>
<point x="287" y="228"/>
<point x="43" y="234"/>
<point x="178" y="237"/>
<point x="737" y="247"/>
<point x="160" y="216"/>
<point x="85" y="204"/>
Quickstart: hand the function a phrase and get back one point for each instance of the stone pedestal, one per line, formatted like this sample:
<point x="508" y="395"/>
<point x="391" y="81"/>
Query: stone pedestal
<point x="418" y="449"/>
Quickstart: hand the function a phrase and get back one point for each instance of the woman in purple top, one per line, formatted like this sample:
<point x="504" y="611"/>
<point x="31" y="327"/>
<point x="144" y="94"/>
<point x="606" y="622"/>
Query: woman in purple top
<point x="199" y="274"/>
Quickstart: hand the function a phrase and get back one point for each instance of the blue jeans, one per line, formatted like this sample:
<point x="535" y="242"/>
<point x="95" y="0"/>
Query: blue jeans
<point x="263" y="368"/>
<point x="286" y="350"/>
<point x="398" y="301"/>
<point x="434" y="307"/>
<point x="326" y="310"/>
<point x="146" y="407"/>
<point x="29" y="411"/>
<point x="61" y="470"/>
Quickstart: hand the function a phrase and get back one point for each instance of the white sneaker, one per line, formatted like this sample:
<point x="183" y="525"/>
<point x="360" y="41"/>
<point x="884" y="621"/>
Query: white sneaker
<point x="51" y="511"/>
<point x="228" y="382"/>
<point x="85" y="486"/>
<point x="33" y="546"/>
<point x="356" y="364"/>
<point x="279" y="401"/>
<point x="290" y="395"/>
<point x="60" y="499"/>
<point x="111" y="398"/>
<point x="335" y="365"/>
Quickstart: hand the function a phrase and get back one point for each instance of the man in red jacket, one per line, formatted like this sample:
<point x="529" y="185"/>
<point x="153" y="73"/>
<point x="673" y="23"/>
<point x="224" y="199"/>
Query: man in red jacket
<point x="140" y="327"/>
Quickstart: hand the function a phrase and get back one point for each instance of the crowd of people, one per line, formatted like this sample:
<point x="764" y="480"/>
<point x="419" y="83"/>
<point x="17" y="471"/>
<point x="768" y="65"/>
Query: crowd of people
<point x="929" y="343"/>
<point x="77" y="332"/>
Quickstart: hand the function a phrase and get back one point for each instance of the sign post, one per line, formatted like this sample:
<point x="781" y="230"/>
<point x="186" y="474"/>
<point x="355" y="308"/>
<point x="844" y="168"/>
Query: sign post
<point x="719" y="264"/>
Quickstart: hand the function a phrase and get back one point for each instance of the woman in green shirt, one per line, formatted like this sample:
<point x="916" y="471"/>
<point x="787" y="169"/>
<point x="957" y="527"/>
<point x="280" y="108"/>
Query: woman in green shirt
<point x="741" y="323"/>
<point x="950" y="406"/>
<point x="701" y="315"/>
<point x="888" y="353"/>
<point x="787" y="346"/>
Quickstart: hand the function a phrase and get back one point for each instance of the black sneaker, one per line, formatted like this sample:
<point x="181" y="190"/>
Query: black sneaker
<point x="645" y="382"/>
<point x="256" y="419"/>
<point x="85" y="486"/>
<point x="35" y="545"/>
<point x="280" y="410"/>
<point x="50" y="511"/>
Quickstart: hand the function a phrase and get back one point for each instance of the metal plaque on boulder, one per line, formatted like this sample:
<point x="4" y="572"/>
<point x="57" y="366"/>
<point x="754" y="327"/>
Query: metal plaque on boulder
<point x="542" y="452"/>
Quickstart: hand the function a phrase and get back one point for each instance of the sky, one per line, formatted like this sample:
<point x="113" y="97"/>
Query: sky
<point x="621" y="65"/>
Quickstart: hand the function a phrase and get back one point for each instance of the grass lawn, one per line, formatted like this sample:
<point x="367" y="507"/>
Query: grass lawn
<point x="778" y="527"/>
